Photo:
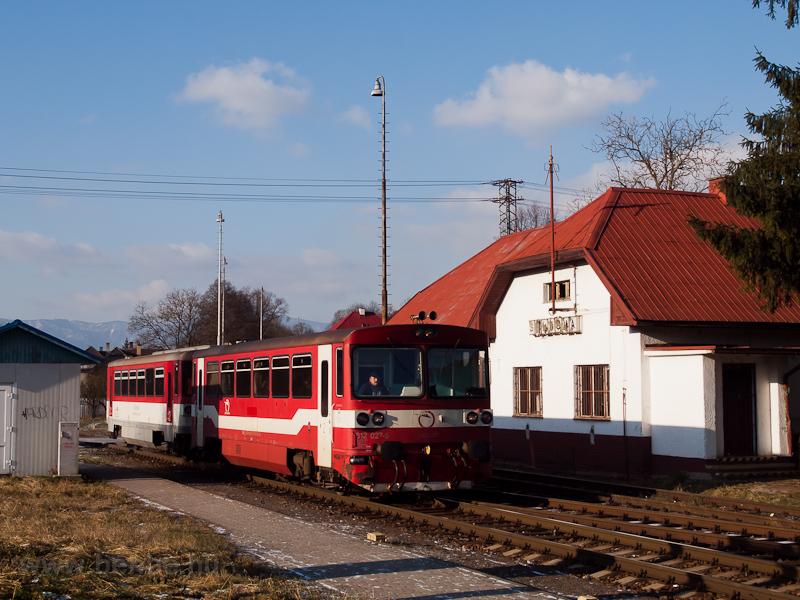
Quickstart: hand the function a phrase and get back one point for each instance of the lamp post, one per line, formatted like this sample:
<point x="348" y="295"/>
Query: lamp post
<point x="220" y="220"/>
<point x="380" y="90"/>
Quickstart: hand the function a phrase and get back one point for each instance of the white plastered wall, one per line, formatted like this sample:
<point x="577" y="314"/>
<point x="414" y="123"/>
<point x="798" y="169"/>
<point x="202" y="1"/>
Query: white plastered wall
<point x="599" y="343"/>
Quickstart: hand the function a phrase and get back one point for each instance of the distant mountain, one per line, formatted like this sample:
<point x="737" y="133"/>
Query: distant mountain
<point x="82" y="334"/>
<point x="114" y="333"/>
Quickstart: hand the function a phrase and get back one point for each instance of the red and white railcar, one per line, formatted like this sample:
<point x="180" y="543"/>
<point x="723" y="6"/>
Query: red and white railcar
<point x="302" y="406"/>
<point x="150" y="399"/>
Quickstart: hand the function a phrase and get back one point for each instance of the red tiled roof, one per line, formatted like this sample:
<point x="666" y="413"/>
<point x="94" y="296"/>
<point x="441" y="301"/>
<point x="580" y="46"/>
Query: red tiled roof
<point x="639" y="244"/>
<point x="356" y="319"/>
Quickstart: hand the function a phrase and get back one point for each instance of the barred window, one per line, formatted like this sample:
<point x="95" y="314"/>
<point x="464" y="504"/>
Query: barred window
<point x="562" y="291"/>
<point x="591" y="392"/>
<point x="528" y="391"/>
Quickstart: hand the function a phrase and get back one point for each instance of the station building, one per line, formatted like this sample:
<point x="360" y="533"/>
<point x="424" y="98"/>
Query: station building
<point x="638" y="354"/>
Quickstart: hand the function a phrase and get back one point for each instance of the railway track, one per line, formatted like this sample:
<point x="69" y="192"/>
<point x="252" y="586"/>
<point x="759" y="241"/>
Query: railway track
<point x="652" y="545"/>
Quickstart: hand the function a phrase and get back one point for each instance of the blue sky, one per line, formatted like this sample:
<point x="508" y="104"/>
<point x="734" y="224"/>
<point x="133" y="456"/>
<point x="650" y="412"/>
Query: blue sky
<point x="188" y="107"/>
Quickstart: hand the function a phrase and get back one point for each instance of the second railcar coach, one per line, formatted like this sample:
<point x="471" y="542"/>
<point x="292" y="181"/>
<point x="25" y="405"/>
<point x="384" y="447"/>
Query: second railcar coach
<point x="150" y="400"/>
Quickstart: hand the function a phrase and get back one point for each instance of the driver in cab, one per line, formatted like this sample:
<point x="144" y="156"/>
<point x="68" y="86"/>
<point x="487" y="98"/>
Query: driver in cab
<point x="373" y="387"/>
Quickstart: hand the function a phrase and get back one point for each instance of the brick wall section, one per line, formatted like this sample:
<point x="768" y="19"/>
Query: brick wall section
<point x="571" y="453"/>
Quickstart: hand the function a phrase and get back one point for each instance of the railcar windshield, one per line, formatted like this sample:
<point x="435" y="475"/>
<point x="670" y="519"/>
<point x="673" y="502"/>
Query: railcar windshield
<point x="457" y="372"/>
<point x="404" y="371"/>
<point x="387" y="371"/>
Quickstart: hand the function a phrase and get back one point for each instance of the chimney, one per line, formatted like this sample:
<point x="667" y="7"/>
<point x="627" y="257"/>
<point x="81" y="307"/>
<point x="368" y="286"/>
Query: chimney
<point x="715" y="187"/>
<point x="362" y="311"/>
<point x="108" y="346"/>
<point x="138" y="349"/>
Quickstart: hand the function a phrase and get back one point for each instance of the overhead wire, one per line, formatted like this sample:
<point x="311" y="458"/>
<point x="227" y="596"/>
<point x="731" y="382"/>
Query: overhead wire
<point x="223" y="183"/>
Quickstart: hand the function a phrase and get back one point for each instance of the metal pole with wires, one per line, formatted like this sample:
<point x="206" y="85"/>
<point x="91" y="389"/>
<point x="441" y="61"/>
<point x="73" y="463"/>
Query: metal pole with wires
<point x="380" y="90"/>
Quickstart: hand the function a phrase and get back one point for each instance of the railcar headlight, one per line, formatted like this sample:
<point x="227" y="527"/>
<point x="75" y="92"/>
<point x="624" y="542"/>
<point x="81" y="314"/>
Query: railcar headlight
<point x="472" y="417"/>
<point x="362" y="419"/>
<point x="378" y="418"/>
<point x="486" y="417"/>
<point x="359" y="460"/>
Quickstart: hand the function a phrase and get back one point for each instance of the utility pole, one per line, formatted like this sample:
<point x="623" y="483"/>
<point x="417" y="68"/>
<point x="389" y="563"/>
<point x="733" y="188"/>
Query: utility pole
<point x="508" y="205"/>
<point x="220" y="220"/>
<point x="224" y="264"/>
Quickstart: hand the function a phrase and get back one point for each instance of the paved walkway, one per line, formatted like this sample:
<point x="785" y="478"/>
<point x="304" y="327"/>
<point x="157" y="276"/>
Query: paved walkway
<point x="341" y="562"/>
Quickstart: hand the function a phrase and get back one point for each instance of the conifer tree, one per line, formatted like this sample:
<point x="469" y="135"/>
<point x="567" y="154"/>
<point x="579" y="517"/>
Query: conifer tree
<point x="766" y="186"/>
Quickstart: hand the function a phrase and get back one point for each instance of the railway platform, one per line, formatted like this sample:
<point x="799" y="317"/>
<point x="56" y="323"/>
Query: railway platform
<point x="337" y="561"/>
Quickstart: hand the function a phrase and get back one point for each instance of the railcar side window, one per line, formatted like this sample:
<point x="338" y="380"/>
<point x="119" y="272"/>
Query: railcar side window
<point x="226" y="378"/>
<point x="261" y="378"/>
<point x="301" y="376"/>
<point x="243" y="378"/>
<point x="124" y="389"/>
<point x="323" y="389"/>
<point x="117" y="383"/>
<point x="212" y="379"/>
<point x="280" y="377"/>
<point x="387" y="371"/>
<point x="140" y="383"/>
<point x="160" y="382"/>
<point x="339" y="372"/>
<point x="187" y="383"/>
<point x="149" y="381"/>
<point x="457" y="372"/>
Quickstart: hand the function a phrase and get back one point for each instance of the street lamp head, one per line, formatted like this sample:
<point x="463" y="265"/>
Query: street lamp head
<point x="377" y="91"/>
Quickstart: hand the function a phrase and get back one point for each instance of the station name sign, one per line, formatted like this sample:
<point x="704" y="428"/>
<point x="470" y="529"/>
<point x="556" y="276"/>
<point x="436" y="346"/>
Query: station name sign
<point x="556" y="326"/>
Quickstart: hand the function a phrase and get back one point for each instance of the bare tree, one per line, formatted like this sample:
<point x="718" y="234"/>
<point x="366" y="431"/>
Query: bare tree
<point x="175" y="322"/>
<point x="673" y="154"/>
<point x="242" y="307"/>
<point x="93" y="389"/>
<point x="530" y="216"/>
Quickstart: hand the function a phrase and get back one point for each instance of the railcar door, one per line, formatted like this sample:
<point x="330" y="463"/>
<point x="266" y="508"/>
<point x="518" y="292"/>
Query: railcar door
<point x="324" y="389"/>
<point x="199" y="415"/>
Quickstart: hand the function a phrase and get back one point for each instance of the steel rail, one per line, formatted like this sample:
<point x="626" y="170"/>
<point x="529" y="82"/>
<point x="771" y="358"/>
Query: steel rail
<point x="790" y="550"/>
<point x="635" y="566"/>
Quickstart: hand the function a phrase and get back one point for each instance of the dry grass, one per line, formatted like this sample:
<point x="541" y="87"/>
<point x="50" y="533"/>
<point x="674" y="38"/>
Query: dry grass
<point x="74" y="539"/>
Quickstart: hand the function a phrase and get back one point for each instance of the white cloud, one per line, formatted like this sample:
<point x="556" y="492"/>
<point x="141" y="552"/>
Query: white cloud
<point x="244" y="98"/>
<point x="120" y="302"/>
<point x="172" y="256"/>
<point x="299" y="149"/>
<point x="530" y="98"/>
<point x="358" y="115"/>
<point x="50" y="256"/>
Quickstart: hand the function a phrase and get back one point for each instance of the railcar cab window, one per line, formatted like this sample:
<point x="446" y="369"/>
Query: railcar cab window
<point x="124" y="389"/>
<point x="457" y="372"/>
<point x="387" y="371"/>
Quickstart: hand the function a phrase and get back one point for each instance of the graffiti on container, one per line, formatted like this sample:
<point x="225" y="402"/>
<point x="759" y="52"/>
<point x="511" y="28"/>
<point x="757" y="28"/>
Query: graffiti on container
<point x="46" y="412"/>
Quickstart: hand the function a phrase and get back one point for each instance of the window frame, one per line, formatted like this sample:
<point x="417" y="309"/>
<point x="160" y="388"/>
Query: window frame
<point x="563" y="291"/>
<point x="243" y="378"/>
<point x="259" y="369"/>
<point x="278" y="379"/>
<point x="595" y="397"/>
<point x="531" y="378"/>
